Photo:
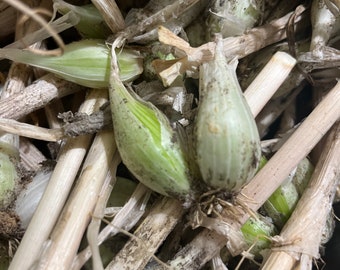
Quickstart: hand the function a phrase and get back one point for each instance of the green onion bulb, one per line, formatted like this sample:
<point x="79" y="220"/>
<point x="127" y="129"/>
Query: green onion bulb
<point x="148" y="145"/>
<point x="85" y="62"/>
<point x="227" y="141"/>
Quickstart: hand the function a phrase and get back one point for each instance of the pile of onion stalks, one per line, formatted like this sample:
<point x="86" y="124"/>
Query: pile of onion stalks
<point x="79" y="183"/>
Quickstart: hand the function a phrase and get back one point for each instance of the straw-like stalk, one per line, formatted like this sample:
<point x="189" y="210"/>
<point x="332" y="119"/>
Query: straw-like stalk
<point x="176" y="20"/>
<point x="334" y="6"/>
<point x="21" y="6"/>
<point x="11" y="177"/>
<point x="149" y="235"/>
<point x="168" y="12"/>
<point x="67" y="234"/>
<point x="52" y="110"/>
<point x="279" y="66"/>
<point x="111" y="14"/>
<point x="59" y="25"/>
<point x="19" y="74"/>
<point x="251" y="65"/>
<point x="275" y="108"/>
<point x="36" y="96"/>
<point x="30" y="131"/>
<point x="69" y="161"/>
<point x="300" y="239"/>
<point x="30" y="156"/>
<point x="99" y="212"/>
<point x="239" y="47"/>
<point x="125" y="219"/>
<point x="316" y="126"/>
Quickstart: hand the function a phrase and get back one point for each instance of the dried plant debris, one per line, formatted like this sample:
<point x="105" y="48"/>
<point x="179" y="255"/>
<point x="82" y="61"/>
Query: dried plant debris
<point x="168" y="134"/>
<point x="81" y="123"/>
